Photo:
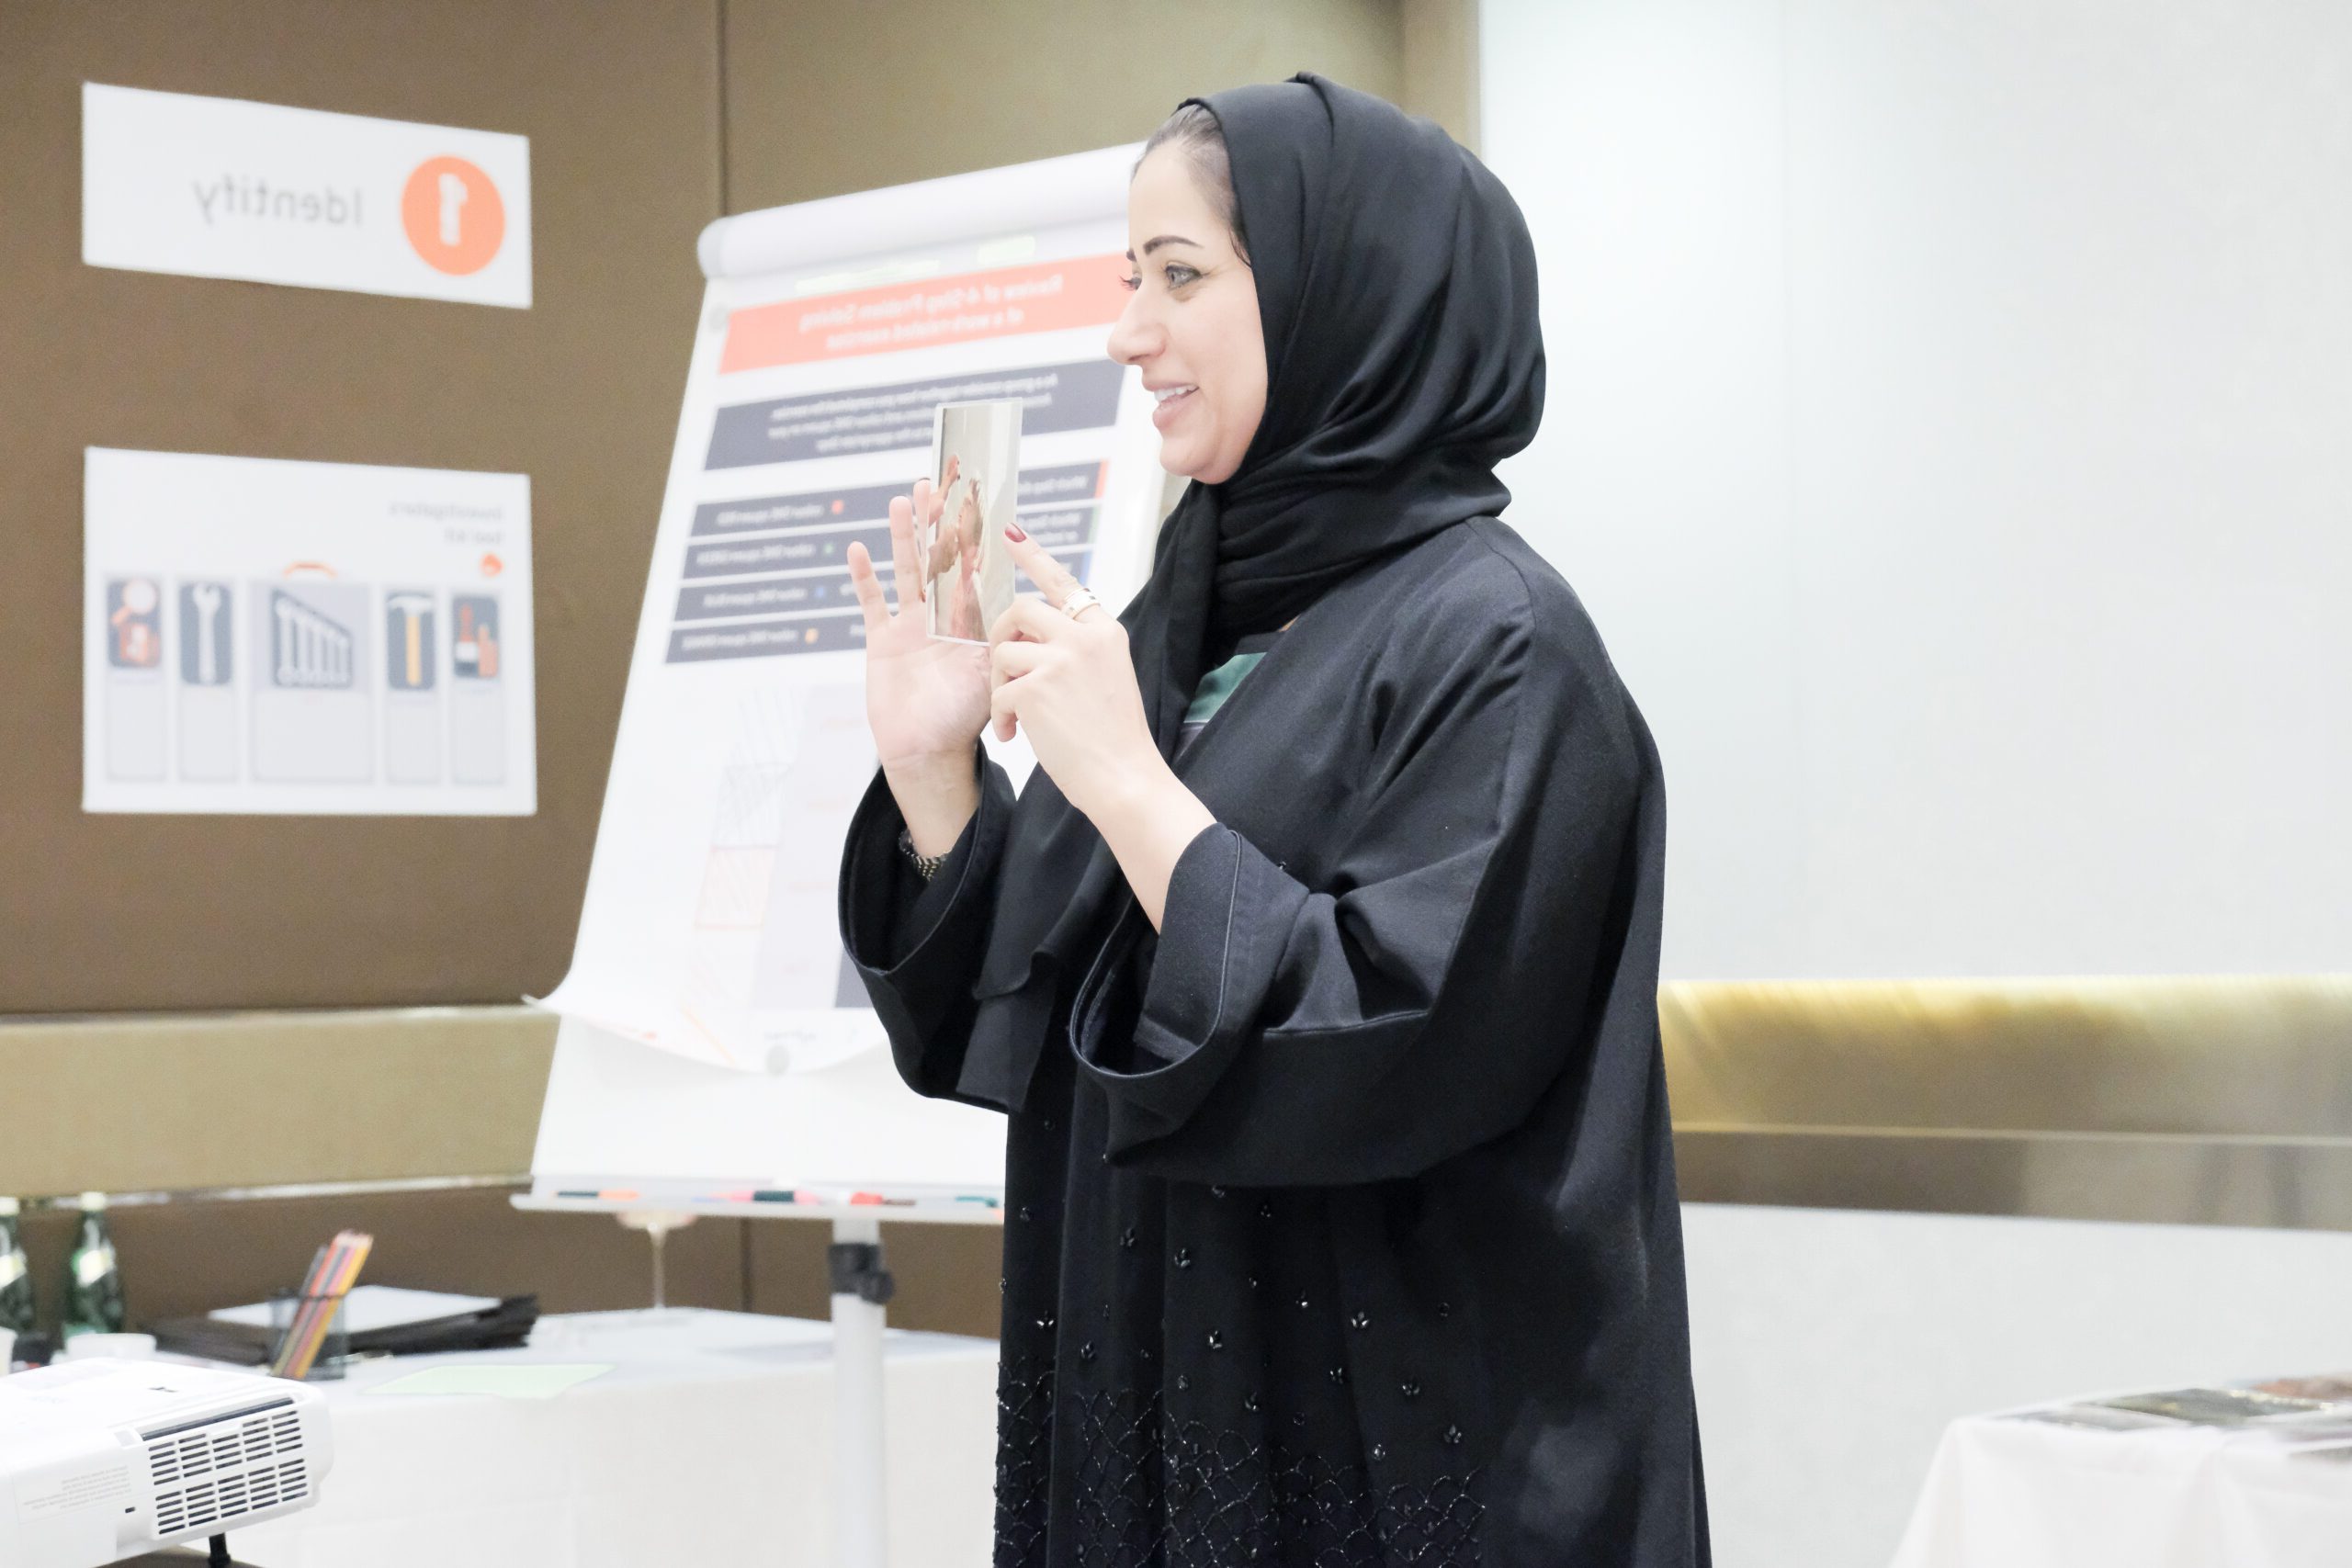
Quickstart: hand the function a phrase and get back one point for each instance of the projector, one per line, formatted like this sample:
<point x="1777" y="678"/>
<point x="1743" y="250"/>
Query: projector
<point x="102" y="1460"/>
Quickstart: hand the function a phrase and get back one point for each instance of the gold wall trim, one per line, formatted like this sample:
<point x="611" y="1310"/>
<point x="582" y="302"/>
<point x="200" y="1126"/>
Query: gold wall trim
<point x="2261" y="1057"/>
<point x="168" y="1103"/>
<point x="2195" y="1100"/>
<point x="2219" y="1102"/>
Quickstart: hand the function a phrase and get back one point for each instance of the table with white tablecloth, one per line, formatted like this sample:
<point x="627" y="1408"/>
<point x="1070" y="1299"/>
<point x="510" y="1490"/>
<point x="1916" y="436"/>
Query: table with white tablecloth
<point x="2070" y="1486"/>
<point x="708" y="1442"/>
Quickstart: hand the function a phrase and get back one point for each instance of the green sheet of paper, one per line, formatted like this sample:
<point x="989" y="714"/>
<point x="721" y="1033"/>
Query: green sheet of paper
<point x="500" y="1381"/>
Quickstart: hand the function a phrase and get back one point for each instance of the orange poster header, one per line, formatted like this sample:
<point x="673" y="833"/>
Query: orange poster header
<point x="1080" y="291"/>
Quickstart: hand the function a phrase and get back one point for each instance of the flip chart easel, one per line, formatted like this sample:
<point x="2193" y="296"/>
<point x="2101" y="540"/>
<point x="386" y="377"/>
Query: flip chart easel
<point x="825" y="328"/>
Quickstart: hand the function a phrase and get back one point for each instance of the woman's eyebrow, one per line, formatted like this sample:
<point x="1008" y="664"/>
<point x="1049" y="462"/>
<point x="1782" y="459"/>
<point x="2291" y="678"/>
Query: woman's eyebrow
<point x="1159" y="239"/>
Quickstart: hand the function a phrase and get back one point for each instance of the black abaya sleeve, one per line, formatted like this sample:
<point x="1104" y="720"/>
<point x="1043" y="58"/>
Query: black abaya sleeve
<point x="1450" y="961"/>
<point x="917" y="944"/>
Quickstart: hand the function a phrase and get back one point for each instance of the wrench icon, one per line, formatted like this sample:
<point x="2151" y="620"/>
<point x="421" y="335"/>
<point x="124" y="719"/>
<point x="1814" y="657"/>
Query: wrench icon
<point x="206" y="597"/>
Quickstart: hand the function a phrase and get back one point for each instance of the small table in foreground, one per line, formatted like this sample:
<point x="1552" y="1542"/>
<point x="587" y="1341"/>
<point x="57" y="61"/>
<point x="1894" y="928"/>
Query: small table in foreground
<point x="2080" y="1486"/>
<point x="709" y="1441"/>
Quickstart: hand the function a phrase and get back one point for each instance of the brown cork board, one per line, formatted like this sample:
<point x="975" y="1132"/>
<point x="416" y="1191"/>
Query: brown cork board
<point x="580" y="392"/>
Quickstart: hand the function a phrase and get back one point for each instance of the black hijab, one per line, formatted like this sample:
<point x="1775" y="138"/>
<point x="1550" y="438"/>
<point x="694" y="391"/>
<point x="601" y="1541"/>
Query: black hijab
<point x="1397" y="287"/>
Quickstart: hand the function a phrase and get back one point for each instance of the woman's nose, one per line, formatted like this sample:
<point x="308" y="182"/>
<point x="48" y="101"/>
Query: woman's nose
<point x="1134" y="336"/>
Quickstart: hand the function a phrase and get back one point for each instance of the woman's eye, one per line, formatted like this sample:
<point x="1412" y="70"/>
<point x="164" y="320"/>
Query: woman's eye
<point x="1177" y="274"/>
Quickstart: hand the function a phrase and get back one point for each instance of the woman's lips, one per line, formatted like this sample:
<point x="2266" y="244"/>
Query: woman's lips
<point x="1172" y="408"/>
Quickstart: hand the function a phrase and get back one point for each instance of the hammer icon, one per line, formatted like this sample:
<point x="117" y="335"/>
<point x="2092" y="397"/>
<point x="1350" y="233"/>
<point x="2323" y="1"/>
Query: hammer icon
<point x="414" y="608"/>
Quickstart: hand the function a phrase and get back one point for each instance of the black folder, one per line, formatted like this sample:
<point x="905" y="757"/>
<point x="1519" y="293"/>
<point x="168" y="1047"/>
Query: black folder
<point x="498" y="1327"/>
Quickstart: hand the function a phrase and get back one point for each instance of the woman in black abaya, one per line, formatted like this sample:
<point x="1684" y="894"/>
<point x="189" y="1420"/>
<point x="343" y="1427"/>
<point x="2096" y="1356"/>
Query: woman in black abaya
<point x="1317" y="965"/>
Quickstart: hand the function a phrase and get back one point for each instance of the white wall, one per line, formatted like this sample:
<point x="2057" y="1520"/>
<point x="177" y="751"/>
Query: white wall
<point x="1950" y="427"/>
<point x="1830" y="1348"/>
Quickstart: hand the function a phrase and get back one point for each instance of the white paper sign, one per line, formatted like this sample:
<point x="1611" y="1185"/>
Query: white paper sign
<point x="222" y="187"/>
<point x="305" y="637"/>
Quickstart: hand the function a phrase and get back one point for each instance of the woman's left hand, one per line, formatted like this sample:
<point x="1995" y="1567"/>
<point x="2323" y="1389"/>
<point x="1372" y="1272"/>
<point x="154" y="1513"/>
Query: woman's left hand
<point x="1070" y="685"/>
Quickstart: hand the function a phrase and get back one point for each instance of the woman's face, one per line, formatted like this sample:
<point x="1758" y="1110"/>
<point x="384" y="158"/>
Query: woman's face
<point x="1190" y="324"/>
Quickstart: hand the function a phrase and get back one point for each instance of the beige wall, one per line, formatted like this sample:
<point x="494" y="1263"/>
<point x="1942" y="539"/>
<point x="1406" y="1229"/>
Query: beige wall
<point x="951" y="87"/>
<point x="1439" y="50"/>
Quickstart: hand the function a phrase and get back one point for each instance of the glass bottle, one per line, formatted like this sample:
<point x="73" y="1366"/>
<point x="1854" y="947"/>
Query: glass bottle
<point x="16" y="1275"/>
<point x="92" y="1277"/>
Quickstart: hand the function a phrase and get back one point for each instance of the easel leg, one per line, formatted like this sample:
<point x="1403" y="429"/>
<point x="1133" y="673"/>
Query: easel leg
<point x="860" y="1288"/>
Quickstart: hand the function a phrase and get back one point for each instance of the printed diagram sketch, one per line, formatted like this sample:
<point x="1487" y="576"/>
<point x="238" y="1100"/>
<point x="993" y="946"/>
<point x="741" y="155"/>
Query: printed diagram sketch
<point x="762" y="940"/>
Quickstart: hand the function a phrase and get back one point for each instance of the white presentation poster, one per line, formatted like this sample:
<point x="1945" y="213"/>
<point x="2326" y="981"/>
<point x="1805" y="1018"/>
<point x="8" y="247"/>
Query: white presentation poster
<point x="831" y="334"/>
<point x="225" y="188"/>
<point x="313" y="639"/>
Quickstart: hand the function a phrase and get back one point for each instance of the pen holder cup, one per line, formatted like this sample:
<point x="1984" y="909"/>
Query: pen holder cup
<point x="287" y="1308"/>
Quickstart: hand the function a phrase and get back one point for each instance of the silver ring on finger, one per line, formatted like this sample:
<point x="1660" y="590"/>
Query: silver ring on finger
<point x="1078" y="603"/>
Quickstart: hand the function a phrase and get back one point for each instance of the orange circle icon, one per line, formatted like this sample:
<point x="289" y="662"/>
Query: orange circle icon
<point x="453" y="216"/>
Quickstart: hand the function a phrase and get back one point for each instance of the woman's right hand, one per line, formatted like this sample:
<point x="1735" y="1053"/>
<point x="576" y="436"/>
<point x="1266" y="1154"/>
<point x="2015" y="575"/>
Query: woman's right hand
<point x="926" y="700"/>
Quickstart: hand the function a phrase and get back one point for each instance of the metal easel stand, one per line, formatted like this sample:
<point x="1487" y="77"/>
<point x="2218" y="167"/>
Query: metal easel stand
<point x="862" y="1286"/>
<point x="657" y="1225"/>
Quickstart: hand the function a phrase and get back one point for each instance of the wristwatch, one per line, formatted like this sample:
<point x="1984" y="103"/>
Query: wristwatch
<point x="926" y="867"/>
